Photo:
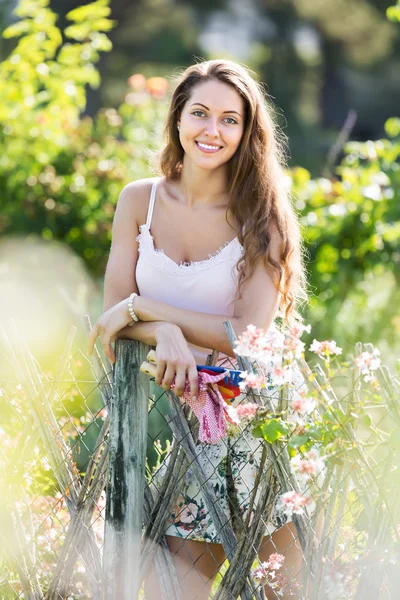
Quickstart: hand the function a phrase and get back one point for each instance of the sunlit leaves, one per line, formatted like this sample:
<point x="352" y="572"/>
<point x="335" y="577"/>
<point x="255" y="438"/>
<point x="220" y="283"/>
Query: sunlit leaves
<point x="271" y="430"/>
<point x="392" y="125"/>
<point x="16" y="29"/>
<point x="40" y="72"/>
<point x="89" y="12"/>
<point x="393" y="12"/>
<point x="82" y="32"/>
<point x="350" y="225"/>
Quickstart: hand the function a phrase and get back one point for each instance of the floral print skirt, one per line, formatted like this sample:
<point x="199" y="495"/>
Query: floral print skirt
<point x="233" y="461"/>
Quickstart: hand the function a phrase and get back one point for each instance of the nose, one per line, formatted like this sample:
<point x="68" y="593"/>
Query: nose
<point x="212" y="128"/>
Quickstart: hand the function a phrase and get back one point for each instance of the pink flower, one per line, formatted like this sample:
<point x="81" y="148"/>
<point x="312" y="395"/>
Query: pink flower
<point x="275" y="562"/>
<point x="247" y="410"/>
<point x="302" y="404"/>
<point x="250" y="337"/>
<point x="293" y="348"/>
<point x="280" y="375"/>
<point x="266" y="570"/>
<point x="252" y="380"/>
<point x="325" y="349"/>
<point x="260" y="573"/>
<point x="368" y="361"/>
<point x="308" y="466"/>
<point x="292" y="502"/>
<point x="259" y="344"/>
<point x="297" y="329"/>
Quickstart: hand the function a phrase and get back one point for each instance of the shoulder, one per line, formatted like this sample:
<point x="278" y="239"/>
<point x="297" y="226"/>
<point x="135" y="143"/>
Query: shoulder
<point x="134" y="199"/>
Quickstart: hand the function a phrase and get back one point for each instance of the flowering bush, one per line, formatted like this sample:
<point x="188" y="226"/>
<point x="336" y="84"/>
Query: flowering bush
<point x="324" y="428"/>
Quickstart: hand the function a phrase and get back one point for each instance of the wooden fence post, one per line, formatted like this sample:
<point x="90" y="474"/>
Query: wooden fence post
<point x="126" y="473"/>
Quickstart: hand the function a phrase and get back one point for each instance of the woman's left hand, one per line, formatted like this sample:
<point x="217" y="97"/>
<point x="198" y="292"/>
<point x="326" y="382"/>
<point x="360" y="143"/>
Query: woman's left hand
<point x="110" y="322"/>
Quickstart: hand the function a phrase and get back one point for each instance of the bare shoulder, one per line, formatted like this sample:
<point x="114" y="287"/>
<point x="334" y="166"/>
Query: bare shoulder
<point x="133" y="201"/>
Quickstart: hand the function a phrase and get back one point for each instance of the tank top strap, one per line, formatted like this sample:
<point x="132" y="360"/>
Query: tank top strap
<point x="151" y="204"/>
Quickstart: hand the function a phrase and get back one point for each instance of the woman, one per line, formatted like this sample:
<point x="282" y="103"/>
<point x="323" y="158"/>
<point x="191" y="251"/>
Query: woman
<point x="224" y="242"/>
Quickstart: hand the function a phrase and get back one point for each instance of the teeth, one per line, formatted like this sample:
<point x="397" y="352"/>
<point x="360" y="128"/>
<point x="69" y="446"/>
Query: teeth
<point x="207" y="146"/>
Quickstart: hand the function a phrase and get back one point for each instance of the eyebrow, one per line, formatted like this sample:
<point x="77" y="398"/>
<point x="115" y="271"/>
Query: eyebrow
<point x="225" y="111"/>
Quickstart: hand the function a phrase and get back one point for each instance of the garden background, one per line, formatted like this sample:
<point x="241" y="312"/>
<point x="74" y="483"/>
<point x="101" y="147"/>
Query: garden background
<point x="84" y="90"/>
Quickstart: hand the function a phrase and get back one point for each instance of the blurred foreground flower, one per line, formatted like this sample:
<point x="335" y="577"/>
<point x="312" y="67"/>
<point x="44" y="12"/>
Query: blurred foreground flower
<point x="367" y="362"/>
<point x="307" y="466"/>
<point x="292" y="502"/>
<point x="325" y="349"/>
<point x="302" y="405"/>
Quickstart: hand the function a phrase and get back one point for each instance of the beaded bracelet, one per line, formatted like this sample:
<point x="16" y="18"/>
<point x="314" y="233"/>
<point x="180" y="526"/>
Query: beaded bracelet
<point x="131" y="311"/>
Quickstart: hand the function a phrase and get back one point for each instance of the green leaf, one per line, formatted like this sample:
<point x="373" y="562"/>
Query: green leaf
<point x="393" y="13"/>
<point x="271" y="430"/>
<point x="366" y="420"/>
<point x="392" y="126"/>
<point x="16" y="29"/>
<point x="89" y="11"/>
<point x="314" y="432"/>
<point x="78" y="32"/>
<point x="298" y="440"/>
<point x="31" y="8"/>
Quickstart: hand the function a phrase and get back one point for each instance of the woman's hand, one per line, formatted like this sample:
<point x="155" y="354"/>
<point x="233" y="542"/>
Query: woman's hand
<point x="175" y="358"/>
<point x="110" y="322"/>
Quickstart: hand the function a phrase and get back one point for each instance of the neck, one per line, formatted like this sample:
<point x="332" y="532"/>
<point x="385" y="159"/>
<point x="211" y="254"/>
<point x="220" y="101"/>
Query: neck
<point x="203" y="187"/>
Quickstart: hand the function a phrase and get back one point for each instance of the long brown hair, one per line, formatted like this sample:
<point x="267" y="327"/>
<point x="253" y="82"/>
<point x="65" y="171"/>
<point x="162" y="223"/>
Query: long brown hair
<point x="259" y="194"/>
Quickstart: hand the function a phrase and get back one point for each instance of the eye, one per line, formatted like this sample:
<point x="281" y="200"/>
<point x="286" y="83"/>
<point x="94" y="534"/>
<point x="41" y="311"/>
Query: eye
<point x="233" y="121"/>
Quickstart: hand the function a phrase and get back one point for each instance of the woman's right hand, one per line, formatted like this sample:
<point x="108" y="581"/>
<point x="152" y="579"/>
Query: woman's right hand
<point x="174" y="358"/>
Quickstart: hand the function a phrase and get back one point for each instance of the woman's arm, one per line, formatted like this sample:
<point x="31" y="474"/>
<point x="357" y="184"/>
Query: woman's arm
<point x="258" y="306"/>
<point x="119" y="279"/>
<point x="146" y="332"/>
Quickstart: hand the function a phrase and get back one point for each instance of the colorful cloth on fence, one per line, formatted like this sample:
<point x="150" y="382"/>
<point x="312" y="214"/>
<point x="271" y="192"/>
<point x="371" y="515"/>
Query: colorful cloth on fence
<point x="210" y="408"/>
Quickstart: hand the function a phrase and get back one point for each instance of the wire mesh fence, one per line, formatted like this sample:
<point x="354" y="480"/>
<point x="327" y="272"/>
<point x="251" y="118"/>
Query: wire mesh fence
<point x="110" y="491"/>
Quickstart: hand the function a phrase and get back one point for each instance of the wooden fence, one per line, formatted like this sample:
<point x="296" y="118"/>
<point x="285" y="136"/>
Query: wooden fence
<point x="355" y="555"/>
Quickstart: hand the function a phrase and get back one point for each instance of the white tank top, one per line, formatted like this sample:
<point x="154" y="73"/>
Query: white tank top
<point x="206" y="286"/>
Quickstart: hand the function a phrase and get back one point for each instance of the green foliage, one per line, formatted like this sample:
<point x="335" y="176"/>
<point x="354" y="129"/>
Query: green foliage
<point x="42" y="83"/>
<point x="393" y="12"/>
<point x="271" y="430"/>
<point x="61" y="174"/>
<point x="351" y="227"/>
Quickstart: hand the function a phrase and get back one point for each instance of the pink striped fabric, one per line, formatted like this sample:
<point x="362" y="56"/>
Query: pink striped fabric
<point x="210" y="408"/>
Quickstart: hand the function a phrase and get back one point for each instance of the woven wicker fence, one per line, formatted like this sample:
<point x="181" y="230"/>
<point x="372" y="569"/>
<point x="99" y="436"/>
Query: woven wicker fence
<point x="92" y="463"/>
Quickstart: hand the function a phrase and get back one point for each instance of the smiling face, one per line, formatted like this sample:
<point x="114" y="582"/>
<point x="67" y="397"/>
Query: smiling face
<point x="211" y="124"/>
